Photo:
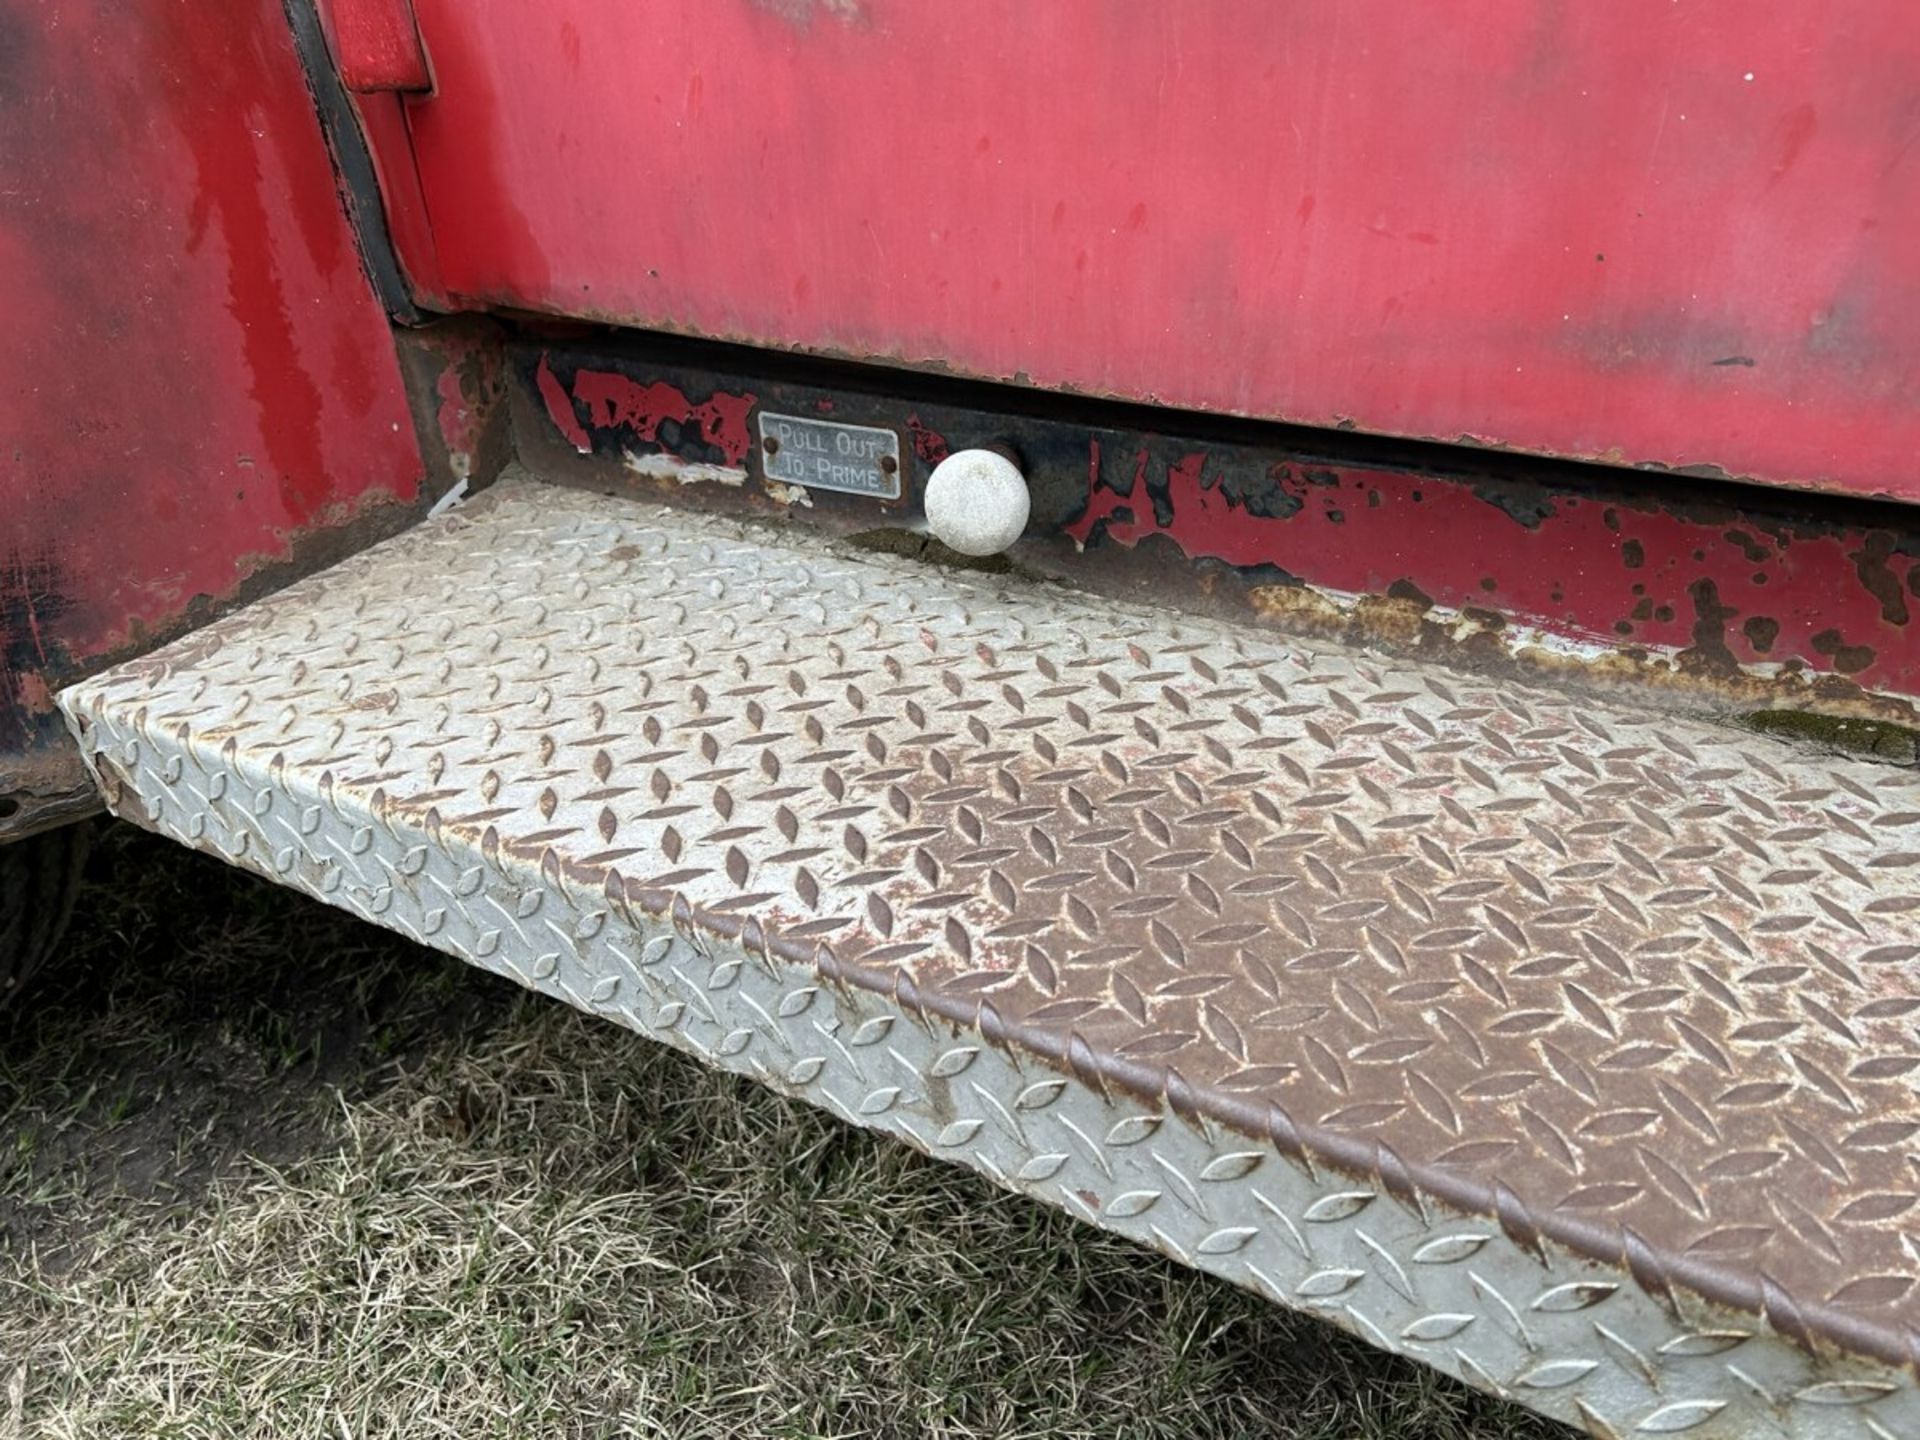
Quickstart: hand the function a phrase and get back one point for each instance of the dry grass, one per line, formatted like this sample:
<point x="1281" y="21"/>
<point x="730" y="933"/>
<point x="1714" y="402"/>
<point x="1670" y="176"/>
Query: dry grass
<point x="291" y="1177"/>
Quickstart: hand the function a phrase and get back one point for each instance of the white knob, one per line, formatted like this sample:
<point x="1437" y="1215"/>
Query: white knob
<point x="977" y="502"/>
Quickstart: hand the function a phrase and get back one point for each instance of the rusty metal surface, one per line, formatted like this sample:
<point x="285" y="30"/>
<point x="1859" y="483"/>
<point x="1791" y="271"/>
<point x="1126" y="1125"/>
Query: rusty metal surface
<point x="1740" y="599"/>
<point x="455" y="378"/>
<point x="1610" y="1011"/>
<point x="43" y="788"/>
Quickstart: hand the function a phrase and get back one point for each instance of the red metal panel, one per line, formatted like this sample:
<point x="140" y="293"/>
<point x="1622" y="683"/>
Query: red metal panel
<point x="383" y="121"/>
<point x="1663" y="232"/>
<point x="376" y="45"/>
<point x="198" y="380"/>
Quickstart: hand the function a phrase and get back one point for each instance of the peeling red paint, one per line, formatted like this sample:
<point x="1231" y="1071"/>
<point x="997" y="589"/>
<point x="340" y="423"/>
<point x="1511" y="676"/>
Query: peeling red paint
<point x="1186" y="475"/>
<point x="929" y="445"/>
<point x="560" y="408"/>
<point x="615" y="400"/>
<point x="1751" y="597"/>
<point x="457" y="385"/>
<point x="1579" y="568"/>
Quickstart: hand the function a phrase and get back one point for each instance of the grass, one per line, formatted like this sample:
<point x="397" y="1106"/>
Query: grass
<point x="268" y="1172"/>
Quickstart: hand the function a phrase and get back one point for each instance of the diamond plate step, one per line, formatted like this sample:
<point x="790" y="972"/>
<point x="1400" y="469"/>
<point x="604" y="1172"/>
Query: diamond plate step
<point x="1567" y="1048"/>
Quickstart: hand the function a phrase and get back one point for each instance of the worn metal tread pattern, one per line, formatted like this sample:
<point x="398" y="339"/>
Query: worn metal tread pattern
<point x="1566" y="1046"/>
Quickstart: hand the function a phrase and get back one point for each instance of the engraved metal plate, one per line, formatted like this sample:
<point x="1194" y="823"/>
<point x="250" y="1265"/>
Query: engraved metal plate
<point x="826" y="455"/>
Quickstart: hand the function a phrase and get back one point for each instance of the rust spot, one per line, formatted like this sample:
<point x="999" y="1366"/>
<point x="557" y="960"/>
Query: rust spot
<point x="35" y="694"/>
<point x="1761" y="632"/>
<point x="1633" y="553"/>
<point x="455" y="380"/>
<point x="113" y="785"/>
<point x="1877" y="577"/>
<point x="1847" y="659"/>
<point x="1709" y="651"/>
<point x="1407" y="590"/>
<point x="43" y="787"/>
<point x="1750" y="547"/>
<point x="1269" y="495"/>
<point x="35" y="590"/>
<point x="1526" y="505"/>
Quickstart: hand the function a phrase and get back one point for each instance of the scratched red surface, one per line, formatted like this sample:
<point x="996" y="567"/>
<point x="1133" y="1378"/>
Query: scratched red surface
<point x="1667" y="231"/>
<point x="196" y="370"/>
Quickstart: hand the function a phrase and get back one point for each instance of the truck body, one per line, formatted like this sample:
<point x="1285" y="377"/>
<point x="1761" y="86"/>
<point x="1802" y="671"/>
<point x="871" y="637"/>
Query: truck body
<point x="1415" y="822"/>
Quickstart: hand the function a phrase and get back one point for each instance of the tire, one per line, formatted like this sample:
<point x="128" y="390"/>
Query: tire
<point x="39" y="883"/>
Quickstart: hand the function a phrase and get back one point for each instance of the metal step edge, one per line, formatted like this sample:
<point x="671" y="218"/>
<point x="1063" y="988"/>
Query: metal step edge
<point x="1470" y="1281"/>
<point x="1199" y="1193"/>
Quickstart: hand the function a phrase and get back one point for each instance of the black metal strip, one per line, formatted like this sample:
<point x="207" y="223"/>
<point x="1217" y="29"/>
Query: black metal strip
<point x="352" y="164"/>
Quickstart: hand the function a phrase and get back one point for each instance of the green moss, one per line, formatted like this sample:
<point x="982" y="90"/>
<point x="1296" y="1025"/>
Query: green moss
<point x="1879" y="738"/>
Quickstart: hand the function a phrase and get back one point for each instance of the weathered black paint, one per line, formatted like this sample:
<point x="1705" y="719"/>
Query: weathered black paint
<point x="353" y="164"/>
